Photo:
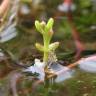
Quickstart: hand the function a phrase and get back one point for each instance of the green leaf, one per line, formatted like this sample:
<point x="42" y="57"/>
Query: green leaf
<point x="39" y="47"/>
<point x="50" y="24"/>
<point x="38" y="26"/>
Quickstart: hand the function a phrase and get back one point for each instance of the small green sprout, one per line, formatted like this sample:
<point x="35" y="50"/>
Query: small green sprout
<point x="47" y="33"/>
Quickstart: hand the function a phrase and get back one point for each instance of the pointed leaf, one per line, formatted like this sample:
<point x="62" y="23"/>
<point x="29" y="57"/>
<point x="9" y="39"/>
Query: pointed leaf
<point x="39" y="47"/>
<point x="38" y="26"/>
<point x="50" y="24"/>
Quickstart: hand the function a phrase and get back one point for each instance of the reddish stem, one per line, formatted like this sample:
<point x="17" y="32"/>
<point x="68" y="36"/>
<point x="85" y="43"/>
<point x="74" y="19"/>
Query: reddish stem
<point x="79" y="45"/>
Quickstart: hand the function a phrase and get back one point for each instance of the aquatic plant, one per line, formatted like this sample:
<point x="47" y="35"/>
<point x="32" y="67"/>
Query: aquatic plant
<point x="47" y="33"/>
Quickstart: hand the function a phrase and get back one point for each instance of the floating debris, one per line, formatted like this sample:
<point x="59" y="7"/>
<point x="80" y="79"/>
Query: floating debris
<point x="65" y="74"/>
<point x="8" y="34"/>
<point x="88" y="64"/>
<point x="38" y="67"/>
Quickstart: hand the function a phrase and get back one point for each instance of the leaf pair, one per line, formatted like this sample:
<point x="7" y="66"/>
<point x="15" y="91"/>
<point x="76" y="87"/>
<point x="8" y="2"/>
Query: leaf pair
<point x="52" y="46"/>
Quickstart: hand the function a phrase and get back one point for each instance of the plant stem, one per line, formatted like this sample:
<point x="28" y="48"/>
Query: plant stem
<point x="46" y="46"/>
<point x="45" y="59"/>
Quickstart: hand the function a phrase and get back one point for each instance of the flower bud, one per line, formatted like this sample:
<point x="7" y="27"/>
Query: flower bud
<point x="43" y="24"/>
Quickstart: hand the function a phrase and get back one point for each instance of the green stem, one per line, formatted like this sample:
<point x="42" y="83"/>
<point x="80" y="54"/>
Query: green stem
<point x="46" y="46"/>
<point x="45" y="59"/>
